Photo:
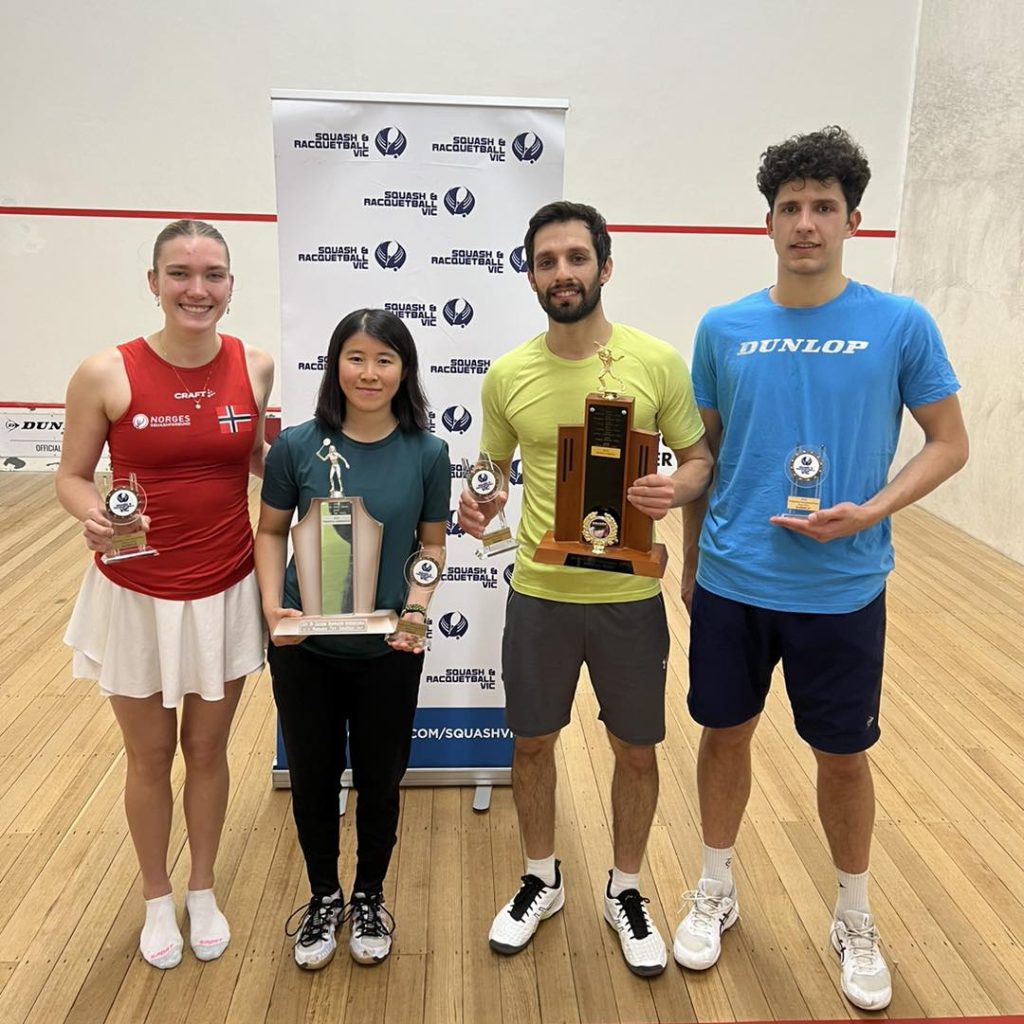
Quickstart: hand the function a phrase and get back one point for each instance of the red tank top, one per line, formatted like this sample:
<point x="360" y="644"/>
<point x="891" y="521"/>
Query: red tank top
<point x="193" y="465"/>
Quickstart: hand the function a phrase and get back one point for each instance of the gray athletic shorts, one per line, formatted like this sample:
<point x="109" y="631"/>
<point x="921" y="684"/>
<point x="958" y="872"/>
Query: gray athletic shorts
<point x="625" y="647"/>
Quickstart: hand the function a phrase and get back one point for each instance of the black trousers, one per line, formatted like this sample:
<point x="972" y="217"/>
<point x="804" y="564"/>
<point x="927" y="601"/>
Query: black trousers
<point x="321" y="701"/>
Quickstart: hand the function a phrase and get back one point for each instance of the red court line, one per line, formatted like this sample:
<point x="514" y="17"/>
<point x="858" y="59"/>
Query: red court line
<point x="270" y="218"/>
<point x="71" y="211"/>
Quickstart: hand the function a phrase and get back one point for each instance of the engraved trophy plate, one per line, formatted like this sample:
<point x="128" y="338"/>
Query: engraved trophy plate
<point x="124" y="503"/>
<point x="337" y="547"/>
<point x="806" y="468"/>
<point x="485" y="481"/>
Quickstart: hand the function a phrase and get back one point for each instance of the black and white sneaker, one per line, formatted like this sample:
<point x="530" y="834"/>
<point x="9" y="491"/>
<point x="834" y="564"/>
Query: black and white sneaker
<point x="314" y="936"/>
<point x="372" y="926"/>
<point x="520" y="917"/>
<point x="642" y="944"/>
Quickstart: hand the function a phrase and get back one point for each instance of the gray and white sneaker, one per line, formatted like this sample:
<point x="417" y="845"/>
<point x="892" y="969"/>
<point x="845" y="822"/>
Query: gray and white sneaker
<point x="642" y="944"/>
<point x="372" y="925"/>
<point x="698" y="939"/>
<point x="314" y="936"/>
<point x="866" y="980"/>
<point x="517" y="921"/>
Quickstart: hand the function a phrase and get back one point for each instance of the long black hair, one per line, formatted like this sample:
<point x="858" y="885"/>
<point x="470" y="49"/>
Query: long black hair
<point x="409" y="404"/>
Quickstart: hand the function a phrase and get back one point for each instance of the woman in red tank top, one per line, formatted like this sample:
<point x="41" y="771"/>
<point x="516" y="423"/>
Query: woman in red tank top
<point x="182" y="413"/>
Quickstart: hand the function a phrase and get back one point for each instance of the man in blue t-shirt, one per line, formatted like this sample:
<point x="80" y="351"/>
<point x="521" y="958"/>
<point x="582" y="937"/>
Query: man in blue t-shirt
<point x="802" y="388"/>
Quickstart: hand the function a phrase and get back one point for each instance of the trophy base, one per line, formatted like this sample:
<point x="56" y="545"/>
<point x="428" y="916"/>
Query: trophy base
<point x="381" y="621"/>
<point x="113" y="557"/>
<point x="577" y="555"/>
<point x="800" y="508"/>
<point x="498" y="543"/>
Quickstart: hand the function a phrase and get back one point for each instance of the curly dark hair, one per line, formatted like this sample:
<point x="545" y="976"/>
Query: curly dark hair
<point x="828" y="155"/>
<point x="560" y="213"/>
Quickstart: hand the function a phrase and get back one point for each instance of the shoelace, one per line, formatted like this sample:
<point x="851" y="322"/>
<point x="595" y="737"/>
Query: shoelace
<point x="368" y="913"/>
<point x="631" y="905"/>
<point x="862" y="947"/>
<point x="706" y="913"/>
<point x="527" y="896"/>
<point x="314" y="924"/>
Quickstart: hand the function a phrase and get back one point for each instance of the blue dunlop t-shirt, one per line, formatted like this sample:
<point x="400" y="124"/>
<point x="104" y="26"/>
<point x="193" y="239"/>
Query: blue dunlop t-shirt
<point x="403" y="479"/>
<point x="834" y="377"/>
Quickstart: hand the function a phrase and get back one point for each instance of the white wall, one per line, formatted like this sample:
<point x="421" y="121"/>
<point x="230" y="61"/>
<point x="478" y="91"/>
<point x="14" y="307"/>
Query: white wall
<point x="165" y="106"/>
<point x="961" y="246"/>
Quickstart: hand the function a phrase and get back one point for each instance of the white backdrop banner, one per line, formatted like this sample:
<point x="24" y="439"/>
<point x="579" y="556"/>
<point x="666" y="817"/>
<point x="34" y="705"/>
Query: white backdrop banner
<point x="418" y="205"/>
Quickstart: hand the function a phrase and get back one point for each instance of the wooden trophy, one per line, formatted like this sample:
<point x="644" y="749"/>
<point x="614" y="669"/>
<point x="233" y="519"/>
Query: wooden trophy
<point x="595" y="526"/>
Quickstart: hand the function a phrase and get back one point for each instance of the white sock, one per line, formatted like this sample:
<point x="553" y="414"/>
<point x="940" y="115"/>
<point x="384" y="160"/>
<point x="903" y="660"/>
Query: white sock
<point x="209" y="933"/>
<point x="621" y="881"/>
<point x="853" y="892"/>
<point x="544" y="869"/>
<point x="161" y="942"/>
<point x="718" y="866"/>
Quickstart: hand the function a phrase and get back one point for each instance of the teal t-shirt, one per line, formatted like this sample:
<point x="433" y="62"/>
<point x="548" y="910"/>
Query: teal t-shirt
<point x="404" y="479"/>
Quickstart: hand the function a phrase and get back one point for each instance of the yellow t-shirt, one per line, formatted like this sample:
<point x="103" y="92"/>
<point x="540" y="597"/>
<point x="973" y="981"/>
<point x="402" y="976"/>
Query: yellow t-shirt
<point x="529" y="392"/>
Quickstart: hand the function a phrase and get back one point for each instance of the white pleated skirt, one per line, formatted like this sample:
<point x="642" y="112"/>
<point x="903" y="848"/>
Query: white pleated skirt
<point x="135" y="645"/>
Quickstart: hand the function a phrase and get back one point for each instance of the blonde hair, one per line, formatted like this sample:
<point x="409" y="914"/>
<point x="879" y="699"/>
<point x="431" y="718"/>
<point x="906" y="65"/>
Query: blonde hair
<point x="188" y="229"/>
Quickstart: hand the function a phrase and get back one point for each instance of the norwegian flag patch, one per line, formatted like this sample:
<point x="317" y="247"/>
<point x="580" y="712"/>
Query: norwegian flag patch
<point x="234" y="422"/>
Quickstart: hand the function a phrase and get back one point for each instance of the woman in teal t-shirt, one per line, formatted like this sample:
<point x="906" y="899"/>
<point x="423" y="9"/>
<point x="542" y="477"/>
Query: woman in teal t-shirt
<point x="368" y="438"/>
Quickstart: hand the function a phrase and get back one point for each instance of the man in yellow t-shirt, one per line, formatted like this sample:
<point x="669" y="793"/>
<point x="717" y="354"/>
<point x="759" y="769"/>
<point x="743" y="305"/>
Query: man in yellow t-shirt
<point x="559" y="618"/>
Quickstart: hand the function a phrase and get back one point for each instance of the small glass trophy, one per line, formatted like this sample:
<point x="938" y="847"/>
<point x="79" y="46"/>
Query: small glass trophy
<point x="485" y="481"/>
<point x="124" y="502"/>
<point x="423" y="572"/>
<point x="806" y="467"/>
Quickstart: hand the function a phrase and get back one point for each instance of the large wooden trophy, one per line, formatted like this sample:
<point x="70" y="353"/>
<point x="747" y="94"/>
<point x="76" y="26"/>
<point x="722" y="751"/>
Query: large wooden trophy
<point x="337" y="547"/>
<point x="595" y="526"/>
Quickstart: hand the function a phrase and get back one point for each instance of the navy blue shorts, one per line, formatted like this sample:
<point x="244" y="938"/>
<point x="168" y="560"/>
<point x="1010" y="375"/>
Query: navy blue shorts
<point x="832" y="665"/>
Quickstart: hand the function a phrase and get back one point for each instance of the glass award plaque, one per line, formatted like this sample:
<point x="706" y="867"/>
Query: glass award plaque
<point x="485" y="481"/>
<point x="806" y="468"/>
<point x="124" y="502"/>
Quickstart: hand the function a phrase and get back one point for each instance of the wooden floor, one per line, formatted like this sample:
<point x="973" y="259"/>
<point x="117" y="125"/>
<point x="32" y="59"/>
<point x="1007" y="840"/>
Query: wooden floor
<point x="948" y="860"/>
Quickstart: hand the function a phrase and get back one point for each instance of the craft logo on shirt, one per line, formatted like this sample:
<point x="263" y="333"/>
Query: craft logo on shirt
<point x="515" y="475"/>
<point x="459" y="201"/>
<point x="456" y="419"/>
<point x="234" y="421"/>
<point x="390" y="255"/>
<point x="140" y="421"/>
<point x="391" y="142"/>
<point x="805" y="346"/>
<point x="517" y="259"/>
<point x="458" y="312"/>
<point x="398" y="199"/>
<point x="453" y="529"/>
<point x="527" y="147"/>
<point x="483" y="145"/>
<point x="453" y="625"/>
<point x="356" y="256"/>
<point x="355" y="143"/>
<point x="425" y="314"/>
<point x="191" y="396"/>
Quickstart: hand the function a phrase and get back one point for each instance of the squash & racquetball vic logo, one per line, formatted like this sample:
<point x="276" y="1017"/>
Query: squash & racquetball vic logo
<point x="453" y="625"/>
<point x="456" y="419"/>
<point x="459" y="201"/>
<point x="527" y="147"/>
<point x="458" y="312"/>
<point x="355" y="256"/>
<point x="400" y="199"/>
<point x="517" y="259"/>
<point x="423" y="313"/>
<point x="354" y="144"/>
<point x="391" y="141"/>
<point x="390" y="255"/>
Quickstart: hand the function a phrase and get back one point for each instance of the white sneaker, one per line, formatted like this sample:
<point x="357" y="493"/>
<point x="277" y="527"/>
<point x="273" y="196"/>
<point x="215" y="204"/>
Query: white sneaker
<point x="866" y="980"/>
<point x="642" y="944"/>
<point x="314" y="938"/>
<point x="519" y="918"/>
<point x="698" y="939"/>
<point x="370" y="941"/>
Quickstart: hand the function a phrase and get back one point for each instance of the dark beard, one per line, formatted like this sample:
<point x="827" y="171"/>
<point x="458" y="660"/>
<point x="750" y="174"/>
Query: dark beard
<point x="573" y="314"/>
